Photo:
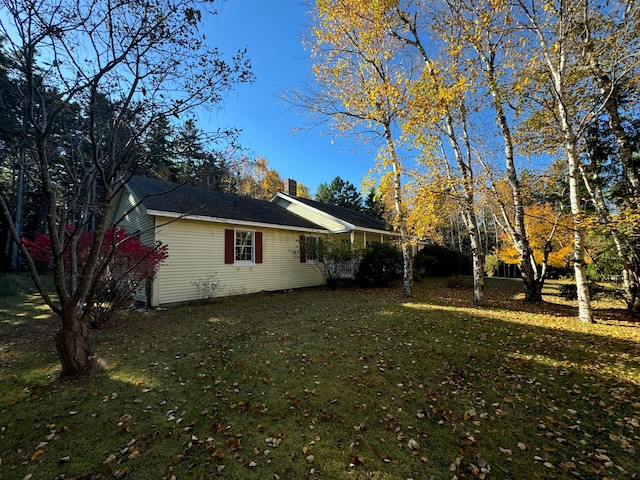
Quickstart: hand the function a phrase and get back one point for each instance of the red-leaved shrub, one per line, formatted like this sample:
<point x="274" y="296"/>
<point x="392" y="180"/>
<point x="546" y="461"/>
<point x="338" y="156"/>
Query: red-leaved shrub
<point x="130" y="264"/>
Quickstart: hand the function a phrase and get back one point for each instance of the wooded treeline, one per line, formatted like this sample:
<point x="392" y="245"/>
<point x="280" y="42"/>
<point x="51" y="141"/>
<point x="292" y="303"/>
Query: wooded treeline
<point x="517" y="120"/>
<point x="170" y="147"/>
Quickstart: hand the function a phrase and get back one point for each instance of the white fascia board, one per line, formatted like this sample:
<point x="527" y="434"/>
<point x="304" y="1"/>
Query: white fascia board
<point x="232" y="221"/>
<point x="347" y="226"/>
<point x="373" y="230"/>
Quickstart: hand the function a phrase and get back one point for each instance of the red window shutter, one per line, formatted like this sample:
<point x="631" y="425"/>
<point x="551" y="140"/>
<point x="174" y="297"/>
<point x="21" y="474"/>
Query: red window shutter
<point x="258" y="246"/>
<point x="229" y="246"/>
<point x="303" y="251"/>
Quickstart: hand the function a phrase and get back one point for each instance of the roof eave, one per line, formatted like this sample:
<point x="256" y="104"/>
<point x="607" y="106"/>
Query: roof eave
<point x="233" y="221"/>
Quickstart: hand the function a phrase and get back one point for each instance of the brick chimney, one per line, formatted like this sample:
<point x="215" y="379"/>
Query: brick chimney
<point x="290" y="187"/>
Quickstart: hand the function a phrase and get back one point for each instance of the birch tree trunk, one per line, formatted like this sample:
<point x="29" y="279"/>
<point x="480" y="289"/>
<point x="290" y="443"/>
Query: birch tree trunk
<point x="554" y="50"/>
<point x="401" y="216"/>
<point x="623" y="247"/>
<point x="466" y="179"/>
<point x="609" y="92"/>
<point x="516" y="229"/>
<point x="467" y="205"/>
<point x="585" y="313"/>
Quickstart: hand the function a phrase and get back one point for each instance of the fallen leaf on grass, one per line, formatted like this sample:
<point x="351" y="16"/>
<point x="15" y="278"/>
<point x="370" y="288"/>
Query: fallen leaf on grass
<point x="37" y="455"/>
<point x="121" y="472"/>
<point x="566" y="466"/>
<point x="124" y="419"/>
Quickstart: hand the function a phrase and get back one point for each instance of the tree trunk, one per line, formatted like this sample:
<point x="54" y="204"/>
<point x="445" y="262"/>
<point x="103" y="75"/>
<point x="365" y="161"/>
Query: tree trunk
<point x="517" y="231"/>
<point x="478" y="270"/>
<point x="532" y="288"/>
<point x="609" y="90"/>
<point x="72" y="345"/>
<point x="629" y="271"/>
<point x="15" y="253"/>
<point x="624" y="246"/>
<point x="401" y="220"/>
<point x="467" y="202"/>
<point x="585" y="313"/>
<point x="554" y="51"/>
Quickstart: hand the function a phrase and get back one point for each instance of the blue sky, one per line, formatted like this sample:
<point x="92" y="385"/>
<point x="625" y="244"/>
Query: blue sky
<point x="272" y="31"/>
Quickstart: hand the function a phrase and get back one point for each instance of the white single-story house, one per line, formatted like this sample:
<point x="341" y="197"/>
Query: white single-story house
<point x="221" y="244"/>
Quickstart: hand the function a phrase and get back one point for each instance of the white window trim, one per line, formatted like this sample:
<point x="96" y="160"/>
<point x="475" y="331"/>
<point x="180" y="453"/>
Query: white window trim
<point x="244" y="263"/>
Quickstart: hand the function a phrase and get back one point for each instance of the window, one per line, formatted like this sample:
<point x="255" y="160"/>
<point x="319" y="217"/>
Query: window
<point x="244" y="246"/>
<point x="311" y="249"/>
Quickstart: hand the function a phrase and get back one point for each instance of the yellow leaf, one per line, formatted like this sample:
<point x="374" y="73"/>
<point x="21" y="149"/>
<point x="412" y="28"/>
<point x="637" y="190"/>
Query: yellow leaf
<point x="37" y="455"/>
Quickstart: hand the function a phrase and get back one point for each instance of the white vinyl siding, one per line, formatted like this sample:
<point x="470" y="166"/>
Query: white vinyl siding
<point x="130" y="216"/>
<point x="196" y="253"/>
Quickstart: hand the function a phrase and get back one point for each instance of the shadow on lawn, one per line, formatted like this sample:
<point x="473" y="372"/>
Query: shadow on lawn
<point x="187" y="374"/>
<point x="507" y="294"/>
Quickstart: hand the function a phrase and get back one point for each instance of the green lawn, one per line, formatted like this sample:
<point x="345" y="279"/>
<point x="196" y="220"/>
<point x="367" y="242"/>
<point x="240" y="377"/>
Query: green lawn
<point x="352" y="384"/>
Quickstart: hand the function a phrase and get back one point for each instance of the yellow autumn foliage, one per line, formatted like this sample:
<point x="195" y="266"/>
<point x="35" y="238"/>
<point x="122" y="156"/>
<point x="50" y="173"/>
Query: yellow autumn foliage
<point x="541" y="221"/>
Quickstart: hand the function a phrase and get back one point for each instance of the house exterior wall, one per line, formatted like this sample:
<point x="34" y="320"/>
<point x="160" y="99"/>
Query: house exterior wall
<point x="197" y="253"/>
<point x="131" y="217"/>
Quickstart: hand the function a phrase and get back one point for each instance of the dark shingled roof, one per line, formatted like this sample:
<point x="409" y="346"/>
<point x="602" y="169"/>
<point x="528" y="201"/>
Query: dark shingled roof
<point x="170" y="197"/>
<point x="353" y="217"/>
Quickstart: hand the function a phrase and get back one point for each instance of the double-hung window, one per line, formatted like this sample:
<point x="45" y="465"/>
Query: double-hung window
<point x="311" y="250"/>
<point x="242" y="247"/>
